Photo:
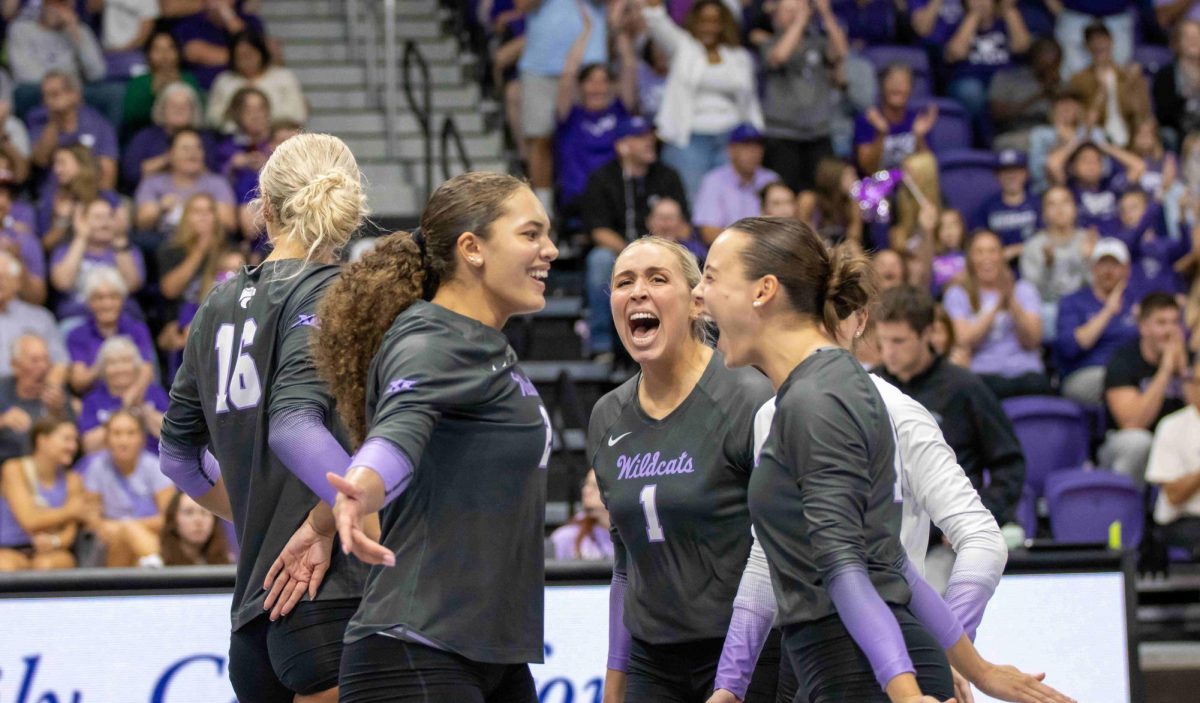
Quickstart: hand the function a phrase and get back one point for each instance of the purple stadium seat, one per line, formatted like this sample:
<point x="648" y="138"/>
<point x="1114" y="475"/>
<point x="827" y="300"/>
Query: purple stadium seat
<point x="968" y="179"/>
<point x="915" y="58"/>
<point x="1152" y="57"/>
<point x="1026" y="512"/>
<point x="1084" y="503"/>
<point x="1053" y="434"/>
<point x="952" y="131"/>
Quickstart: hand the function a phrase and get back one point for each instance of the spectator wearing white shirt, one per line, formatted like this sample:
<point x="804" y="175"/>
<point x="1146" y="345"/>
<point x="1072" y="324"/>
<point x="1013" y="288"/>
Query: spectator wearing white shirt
<point x="125" y="25"/>
<point x="1175" y="468"/>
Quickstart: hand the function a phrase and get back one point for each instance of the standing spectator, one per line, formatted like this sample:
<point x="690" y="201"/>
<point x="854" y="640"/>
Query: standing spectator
<point x="33" y="391"/>
<point x="666" y="219"/>
<point x="176" y="107"/>
<point x="107" y="317"/>
<point x="141" y="92"/>
<point x="885" y="135"/>
<point x="971" y="418"/>
<point x="801" y="93"/>
<point x="588" y="112"/>
<point x="998" y="319"/>
<point x="205" y="37"/>
<point x="252" y="67"/>
<point x="54" y="41"/>
<point x="1177" y="85"/>
<point x="160" y="197"/>
<point x="42" y="501"/>
<point x="987" y="39"/>
<point x="1055" y="259"/>
<point x="619" y="196"/>
<point x="95" y="243"/>
<point x="777" y="200"/>
<point x="125" y="27"/>
<point x="17" y="238"/>
<point x="1021" y="97"/>
<point x="1143" y="383"/>
<point x="120" y="384"/>
<point x="1116" y="95"/>
<point x="18" y="318"/>
<point x="1013" y="214"/>
<point x="1093" y="322"/>
<point x="133" y="494"/>
<point x="1174" y="469"/>
<point x="191" y="535"/>
<point x="1076" y="16"/>
<point x="710" y="90"/>
<point x="63" y="120"/>
<point x="550" y="28"/>
<point x="1069" y="126"/>
<point x="74" y="181"/>
<point x="586" y="536"/>
<point x="829" y="207"/>
<point x="730" y="192"/>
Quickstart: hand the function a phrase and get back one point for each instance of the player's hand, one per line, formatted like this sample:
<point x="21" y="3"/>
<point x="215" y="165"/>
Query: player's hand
<point x="1010" y="684"/>
<point x="723" y="696"/>
<point x="614" y="686"/>
<point x="349" y="511"/>
<point x="300" y="567"/>
<point x="962" y="687"/>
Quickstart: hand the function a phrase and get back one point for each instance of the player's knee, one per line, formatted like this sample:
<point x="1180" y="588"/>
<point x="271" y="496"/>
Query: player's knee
<point x="13" y="561"/>
<point x="57" y="559"/>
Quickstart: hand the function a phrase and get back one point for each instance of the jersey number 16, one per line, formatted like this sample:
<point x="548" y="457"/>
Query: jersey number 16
<point x="243" y="390"/>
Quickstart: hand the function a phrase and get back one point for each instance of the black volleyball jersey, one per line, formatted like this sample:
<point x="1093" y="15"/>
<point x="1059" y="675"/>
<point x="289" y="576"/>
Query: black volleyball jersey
<point x="468" y="530"/>
<point x="825" y="492"/>
<point x="676" y="490"/>
<point x="248" y="356"/>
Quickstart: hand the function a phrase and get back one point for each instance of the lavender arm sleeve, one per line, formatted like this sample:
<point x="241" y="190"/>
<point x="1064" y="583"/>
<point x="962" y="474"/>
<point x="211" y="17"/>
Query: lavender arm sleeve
<point x="931" y="610"/>
<point x="870" y="622"/>
<point x="754" y="610"/>
<point x="387" y="460"/>
<point x="619" y="638"/>
<point x="193" y="469"/>
<point x="299" y="438"/>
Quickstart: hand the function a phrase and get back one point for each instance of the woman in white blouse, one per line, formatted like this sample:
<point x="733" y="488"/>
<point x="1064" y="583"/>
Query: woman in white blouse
<point x="710" y="88"/>
<point x="251" y="66"/>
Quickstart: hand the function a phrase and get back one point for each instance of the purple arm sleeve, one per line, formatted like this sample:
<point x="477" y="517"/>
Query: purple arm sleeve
<point x="299" y="438"/>
<point x="754" y="610"/>
<point x="619" y="639"/>
<point x="193" y="469"/>
<point x="931" y="610"/>
<point x="387" y="460"/>
<point x="870" y="622"/>
<point x="967" y="595"/>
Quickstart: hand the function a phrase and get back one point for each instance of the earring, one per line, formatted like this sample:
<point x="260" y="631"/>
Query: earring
<point x="474" y="260"/>
<point x="858" y="334"/>
<point x="757" y="304"/>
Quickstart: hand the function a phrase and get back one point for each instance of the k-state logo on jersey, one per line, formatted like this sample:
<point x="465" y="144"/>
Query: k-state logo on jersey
<point x="306" y="320"/>
<point x="246" y="296"/>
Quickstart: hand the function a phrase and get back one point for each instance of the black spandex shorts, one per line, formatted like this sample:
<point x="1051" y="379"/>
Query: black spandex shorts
<point x="685" y="672"/>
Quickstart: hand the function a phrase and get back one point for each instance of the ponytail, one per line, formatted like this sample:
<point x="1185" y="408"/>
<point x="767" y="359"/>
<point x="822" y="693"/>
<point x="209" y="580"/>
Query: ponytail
<point x="850" y="287"/>
<point x="356" y="312"/>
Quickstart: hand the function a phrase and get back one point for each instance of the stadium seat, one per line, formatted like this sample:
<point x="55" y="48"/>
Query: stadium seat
<point x="915" y="58"/>
<point x="1084" y="503"/>
<point x="1053" y="434"/>
<point x="968" y="179"/>
<point x="1026" y="512"/>
<point x="952" y="131"/>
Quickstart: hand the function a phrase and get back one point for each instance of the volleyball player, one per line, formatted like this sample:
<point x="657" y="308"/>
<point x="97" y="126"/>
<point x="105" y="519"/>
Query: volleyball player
<point x="456" y="446"/>
<point x="824" y="495"/>
<point x="248" y="390"/>
<point x="673" y="449"/>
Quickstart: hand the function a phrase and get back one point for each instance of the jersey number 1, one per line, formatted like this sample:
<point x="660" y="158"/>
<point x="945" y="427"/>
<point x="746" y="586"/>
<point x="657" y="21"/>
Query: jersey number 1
<point x="649" y="500"/>
<point x="243" y="390"/>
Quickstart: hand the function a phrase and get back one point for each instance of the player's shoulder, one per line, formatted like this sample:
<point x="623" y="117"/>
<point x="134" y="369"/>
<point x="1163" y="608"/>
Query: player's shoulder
<point x="744" y="387"/>
<point x="613" y="402"/>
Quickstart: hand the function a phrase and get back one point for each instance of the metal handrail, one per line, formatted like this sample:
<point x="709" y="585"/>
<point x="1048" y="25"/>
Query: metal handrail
<point x="450" y="134"/>
<point x="422" y="109"/>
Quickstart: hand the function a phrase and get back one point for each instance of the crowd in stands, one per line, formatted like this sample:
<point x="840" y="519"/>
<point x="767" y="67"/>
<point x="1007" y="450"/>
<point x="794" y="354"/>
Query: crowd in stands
<point x="131" y="135"/>
<point x="1064" y="264"/>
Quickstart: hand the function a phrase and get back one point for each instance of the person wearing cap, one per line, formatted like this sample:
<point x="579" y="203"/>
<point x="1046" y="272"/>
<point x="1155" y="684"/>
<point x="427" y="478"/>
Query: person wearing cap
<point x="17" y="237"/>
<point x="1143" y="383"/>
<point x="733" y="191"/>
<point x="1014" y="213"/>
<point x="1093" y="322"/>
<point x="619" y="196"/>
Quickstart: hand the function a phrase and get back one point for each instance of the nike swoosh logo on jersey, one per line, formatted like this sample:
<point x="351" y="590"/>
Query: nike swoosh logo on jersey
<point x="612" y="441"/>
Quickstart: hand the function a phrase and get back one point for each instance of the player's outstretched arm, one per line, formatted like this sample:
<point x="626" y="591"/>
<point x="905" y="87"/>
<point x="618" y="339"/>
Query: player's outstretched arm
<point x="754" y="611"/>
<point x="359" y="494"/>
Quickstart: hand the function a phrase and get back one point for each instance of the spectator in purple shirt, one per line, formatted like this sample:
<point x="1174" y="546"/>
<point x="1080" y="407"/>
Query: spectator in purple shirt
<point x="730" y="192"/>
<point x="587" y="112"/>
<point x="205" y="38"/>
<point x="998" y="319"/>
<point x="1013" y="214"/>
<point x="160" y="197"/>
<point x="176" y="107"/>
<point x="1153" y="252"/>
<point x="586" y="536"/>
<point x="885" y="135"/>
<point x="247" y="149"/>
<point x="95" y="243"/>
<point x="986" y="40"/>
<point x="867" y="22"/>
<point x="17" y="237"/>
<point x="1094" y="191"/>
<point x="121" y="385"/>
<point x="934" y="21"/>
<point x="105" y="293"/>
<point x="74" y="179"/>
<point x="63" y="120"/>
<point x="126" y="481"/>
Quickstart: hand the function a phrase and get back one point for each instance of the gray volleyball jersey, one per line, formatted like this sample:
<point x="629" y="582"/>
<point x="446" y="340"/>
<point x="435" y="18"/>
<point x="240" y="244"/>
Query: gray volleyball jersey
<point x="248" y="356"/>
<point x="676" y="492"/>
<point x="468" y="529"/>
<point x="825" y="492"/>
